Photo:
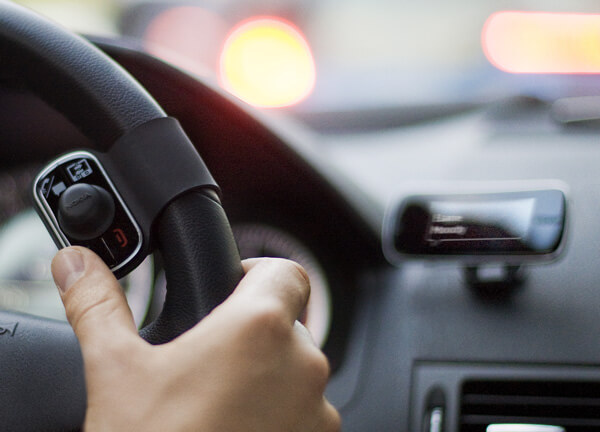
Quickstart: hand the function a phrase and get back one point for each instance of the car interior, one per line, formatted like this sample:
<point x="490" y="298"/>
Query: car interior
<point x="452" y="247"/>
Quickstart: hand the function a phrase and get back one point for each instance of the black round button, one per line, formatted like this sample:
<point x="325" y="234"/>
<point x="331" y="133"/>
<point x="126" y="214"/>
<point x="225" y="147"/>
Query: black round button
<point x="85" y="211"/>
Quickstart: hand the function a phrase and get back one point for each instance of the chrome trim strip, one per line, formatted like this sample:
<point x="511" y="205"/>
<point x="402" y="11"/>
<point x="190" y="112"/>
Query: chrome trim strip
<point x="515" y="427"/>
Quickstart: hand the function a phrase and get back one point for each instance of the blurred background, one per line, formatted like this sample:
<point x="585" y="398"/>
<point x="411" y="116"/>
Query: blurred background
<point x="332" y="55"/>
<point x="341" y="67"/>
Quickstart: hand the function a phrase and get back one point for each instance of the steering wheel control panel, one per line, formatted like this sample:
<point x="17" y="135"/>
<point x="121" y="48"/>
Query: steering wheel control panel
<point x="508" y="226"/>
<point x="79" y="205"/>
<point x="110" y="201"/>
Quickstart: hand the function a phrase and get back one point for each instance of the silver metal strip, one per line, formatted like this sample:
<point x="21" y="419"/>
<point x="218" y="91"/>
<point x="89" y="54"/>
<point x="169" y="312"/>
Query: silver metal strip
<point x="515" y="427"/>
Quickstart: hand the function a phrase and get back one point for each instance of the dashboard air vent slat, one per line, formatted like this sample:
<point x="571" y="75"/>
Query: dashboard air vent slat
<point x="572" y="405"/>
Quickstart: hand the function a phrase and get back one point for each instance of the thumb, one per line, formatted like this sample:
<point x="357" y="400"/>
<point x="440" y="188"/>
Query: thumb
<point x="94" y="301"/>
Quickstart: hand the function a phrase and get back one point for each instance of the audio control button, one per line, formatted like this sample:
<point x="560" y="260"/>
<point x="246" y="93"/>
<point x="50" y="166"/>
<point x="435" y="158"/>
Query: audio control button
<point x="80" y="205"/>
<point x="85" y="211"/>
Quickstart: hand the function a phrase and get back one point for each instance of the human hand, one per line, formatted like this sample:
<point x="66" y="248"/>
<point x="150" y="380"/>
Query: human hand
<point x="248" y="366"/>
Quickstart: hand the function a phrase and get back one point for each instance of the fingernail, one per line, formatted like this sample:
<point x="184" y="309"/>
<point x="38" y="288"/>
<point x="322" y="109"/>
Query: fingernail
<point x="67" y="268"/>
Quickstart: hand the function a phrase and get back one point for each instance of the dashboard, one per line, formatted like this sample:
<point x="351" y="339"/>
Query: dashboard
<point x="434" y="335"/>
<point x="412" y="346"/>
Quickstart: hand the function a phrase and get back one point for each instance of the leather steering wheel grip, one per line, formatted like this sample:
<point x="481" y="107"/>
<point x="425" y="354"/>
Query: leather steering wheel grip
<point x="41" y="372"/>
<point x="69" y="73"/>
<point x="199" y="251"/>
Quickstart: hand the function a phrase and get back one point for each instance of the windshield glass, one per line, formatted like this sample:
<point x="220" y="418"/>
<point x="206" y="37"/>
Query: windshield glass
<point x="341" y="55"/>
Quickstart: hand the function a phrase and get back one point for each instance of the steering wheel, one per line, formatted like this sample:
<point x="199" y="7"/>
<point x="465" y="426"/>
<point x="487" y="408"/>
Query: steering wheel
<point x="41" y="370"/>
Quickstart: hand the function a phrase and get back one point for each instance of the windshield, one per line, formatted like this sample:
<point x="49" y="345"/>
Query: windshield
<point x="344" y="55"/>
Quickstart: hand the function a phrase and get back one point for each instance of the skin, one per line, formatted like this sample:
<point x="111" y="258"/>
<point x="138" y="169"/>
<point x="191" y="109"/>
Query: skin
<point x="248" y="366"/>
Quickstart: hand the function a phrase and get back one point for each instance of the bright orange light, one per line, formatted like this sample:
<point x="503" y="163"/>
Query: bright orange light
<point x="542" y="42"/>
<point x="267" y="63"/>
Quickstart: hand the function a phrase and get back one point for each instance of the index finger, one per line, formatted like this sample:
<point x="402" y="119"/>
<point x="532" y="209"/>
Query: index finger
<point x="275" y="279"/>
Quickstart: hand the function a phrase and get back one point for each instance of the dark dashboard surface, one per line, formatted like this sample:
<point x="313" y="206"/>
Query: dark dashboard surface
<point x="425" y="312"/>
<point x="403" y="340"/>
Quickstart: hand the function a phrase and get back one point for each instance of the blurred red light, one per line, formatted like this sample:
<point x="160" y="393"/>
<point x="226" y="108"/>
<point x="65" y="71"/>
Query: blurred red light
<point x="187" y="36"/>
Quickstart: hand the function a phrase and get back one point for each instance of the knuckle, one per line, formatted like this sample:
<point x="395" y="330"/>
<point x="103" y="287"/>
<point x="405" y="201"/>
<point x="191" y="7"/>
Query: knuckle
<point x="83" y="311"/>
<point x="268" y="321"/>
<point x="296" y="280"/>
<point x="300" y="275"/>
<point x="293" y="287"/>
<point x="301" y="291"/>
<point x="288" y="267"/>
<point x="299" y="272"/>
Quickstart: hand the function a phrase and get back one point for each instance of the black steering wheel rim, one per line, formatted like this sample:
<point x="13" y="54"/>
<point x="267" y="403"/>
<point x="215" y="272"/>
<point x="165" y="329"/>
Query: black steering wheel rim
<point x="71" y="74"/>
<point x="41" y="368"/>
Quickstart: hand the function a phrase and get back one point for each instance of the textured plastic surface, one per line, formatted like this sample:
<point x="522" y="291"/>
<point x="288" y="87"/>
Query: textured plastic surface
<point x="41" y="372"/>
<point x="451" y="377"/>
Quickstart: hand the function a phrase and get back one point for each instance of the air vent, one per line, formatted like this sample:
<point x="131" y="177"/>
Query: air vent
<point x="573" y="405"/>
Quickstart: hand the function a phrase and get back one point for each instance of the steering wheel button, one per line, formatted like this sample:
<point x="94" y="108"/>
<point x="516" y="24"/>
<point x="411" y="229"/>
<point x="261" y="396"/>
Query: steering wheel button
<point x="80" y="206"/>
<point x="85" y="211"/>
<point x="121" y="239"/>
<point x="79" y="170"/>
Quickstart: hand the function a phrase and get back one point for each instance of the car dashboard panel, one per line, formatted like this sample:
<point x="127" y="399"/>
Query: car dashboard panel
<point x="410" y="340"/>
<point x="433" y="331"/>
